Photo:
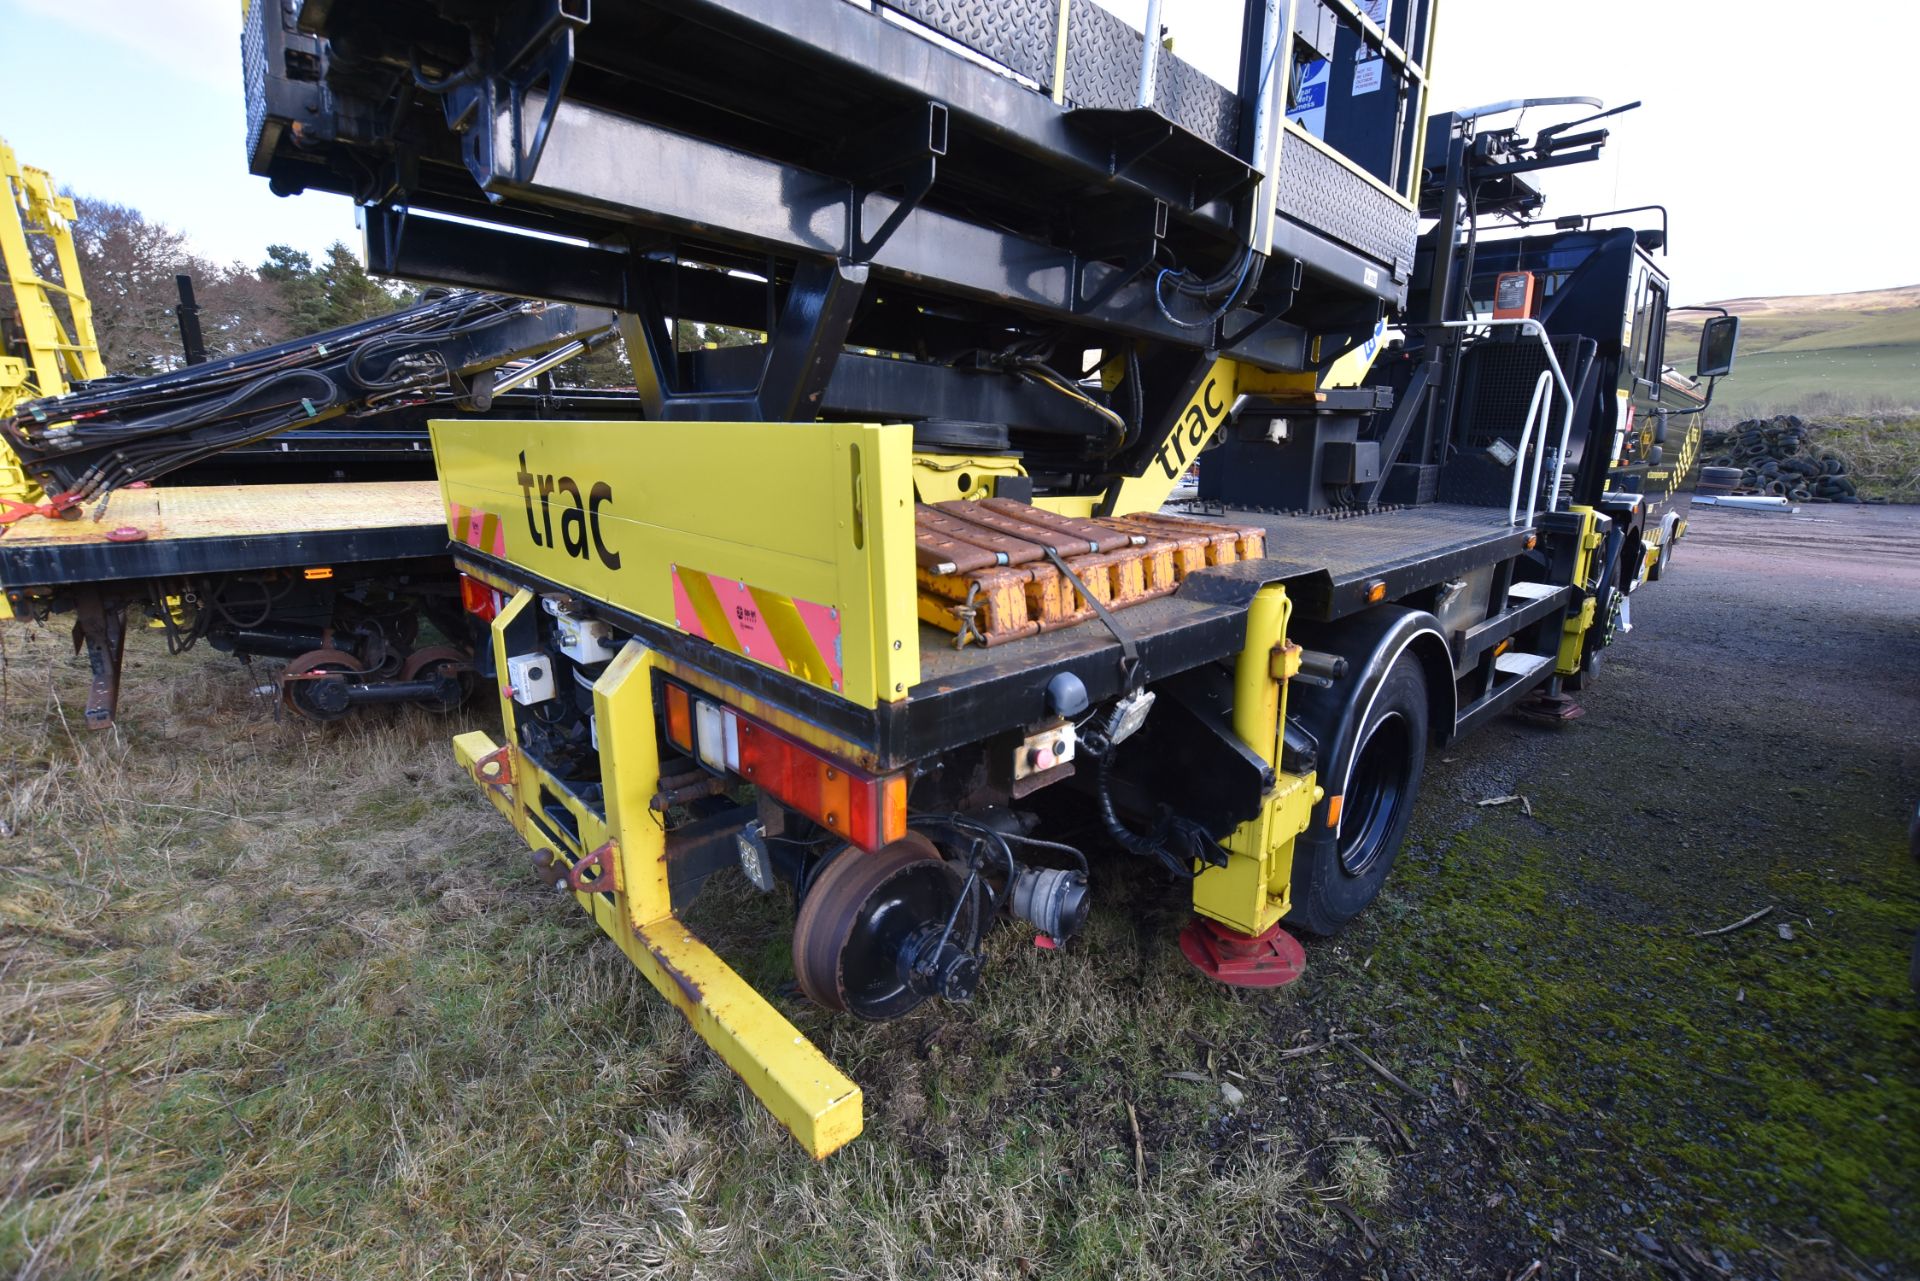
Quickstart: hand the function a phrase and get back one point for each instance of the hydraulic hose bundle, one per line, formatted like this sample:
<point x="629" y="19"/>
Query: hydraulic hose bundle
<point x="114" y="432"/>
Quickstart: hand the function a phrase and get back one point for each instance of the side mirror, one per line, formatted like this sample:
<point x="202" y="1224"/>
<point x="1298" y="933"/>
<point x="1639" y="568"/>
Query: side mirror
<point x="1719" y="338"/>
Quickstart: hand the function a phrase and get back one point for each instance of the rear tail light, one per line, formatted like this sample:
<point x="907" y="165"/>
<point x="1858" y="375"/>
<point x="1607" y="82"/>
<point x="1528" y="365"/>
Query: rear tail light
<point x="479" y="599"/>
<point x="869" y="810"/>
<point x="679" y="719"/>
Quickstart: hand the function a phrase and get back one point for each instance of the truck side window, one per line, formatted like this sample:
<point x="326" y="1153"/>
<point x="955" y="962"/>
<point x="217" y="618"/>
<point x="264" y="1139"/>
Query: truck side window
<point x="1655" y="325"/>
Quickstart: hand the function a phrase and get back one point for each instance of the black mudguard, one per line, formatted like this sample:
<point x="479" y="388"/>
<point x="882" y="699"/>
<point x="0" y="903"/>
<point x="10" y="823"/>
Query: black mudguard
<point x="1371" y="642"/>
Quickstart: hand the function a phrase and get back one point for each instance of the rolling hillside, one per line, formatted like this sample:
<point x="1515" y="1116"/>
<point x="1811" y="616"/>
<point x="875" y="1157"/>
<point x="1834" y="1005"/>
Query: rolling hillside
<point x="1825" y="354"/>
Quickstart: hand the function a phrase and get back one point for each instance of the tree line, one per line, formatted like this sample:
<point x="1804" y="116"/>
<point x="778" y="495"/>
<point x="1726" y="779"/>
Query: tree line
<point x="128" y="263"/>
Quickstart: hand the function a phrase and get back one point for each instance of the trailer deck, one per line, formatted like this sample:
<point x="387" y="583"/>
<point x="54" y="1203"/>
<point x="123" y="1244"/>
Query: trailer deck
<point x="225" y="528"/>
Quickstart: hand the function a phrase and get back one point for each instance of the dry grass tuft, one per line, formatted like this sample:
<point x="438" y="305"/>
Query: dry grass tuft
<point x="281" y="1000"/>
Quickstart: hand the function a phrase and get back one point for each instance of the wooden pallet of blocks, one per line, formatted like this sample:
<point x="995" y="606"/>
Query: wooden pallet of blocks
<point x="986" y="573"/>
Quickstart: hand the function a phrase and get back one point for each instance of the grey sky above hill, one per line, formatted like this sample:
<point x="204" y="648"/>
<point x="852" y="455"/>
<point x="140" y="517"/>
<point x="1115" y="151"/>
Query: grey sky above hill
<point x="1771" y="148"/>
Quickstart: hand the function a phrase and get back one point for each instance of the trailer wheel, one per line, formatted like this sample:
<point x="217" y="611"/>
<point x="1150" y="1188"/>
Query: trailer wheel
<point x="436" y="660"/>
<point x="1333" y="879"/>
<point x="306" y="689"/>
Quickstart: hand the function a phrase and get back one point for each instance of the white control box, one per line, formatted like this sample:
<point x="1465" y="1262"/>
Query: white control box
<point x="584" y="640"/>
<point x="530" y="678"/>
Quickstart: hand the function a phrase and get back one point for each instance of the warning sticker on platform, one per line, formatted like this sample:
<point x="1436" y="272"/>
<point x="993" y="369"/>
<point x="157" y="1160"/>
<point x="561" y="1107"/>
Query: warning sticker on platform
<point x="1309" y="109"/>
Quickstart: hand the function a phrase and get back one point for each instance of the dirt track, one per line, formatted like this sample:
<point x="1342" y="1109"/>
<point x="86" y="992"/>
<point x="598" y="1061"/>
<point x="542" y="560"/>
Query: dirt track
<point x="1685" y="1103"/>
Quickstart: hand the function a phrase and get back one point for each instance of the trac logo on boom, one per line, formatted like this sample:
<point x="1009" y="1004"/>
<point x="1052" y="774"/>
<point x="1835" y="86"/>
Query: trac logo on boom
<point x="580" y="533"/>
<point x="1204" y="412"/>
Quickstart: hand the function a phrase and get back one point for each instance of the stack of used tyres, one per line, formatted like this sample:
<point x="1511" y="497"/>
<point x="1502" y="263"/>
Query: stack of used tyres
<point x="1773" y="457"/>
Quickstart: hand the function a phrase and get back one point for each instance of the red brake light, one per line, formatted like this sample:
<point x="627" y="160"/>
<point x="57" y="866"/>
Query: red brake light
<point x="479" y="599"/>
<point x="870" y="810"/>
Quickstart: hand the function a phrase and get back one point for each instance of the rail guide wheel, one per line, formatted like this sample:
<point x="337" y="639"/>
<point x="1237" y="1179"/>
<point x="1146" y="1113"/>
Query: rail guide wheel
<point x="435" y="661"/>
<point x="306" y="687"/>
<point x="879" y="933"/>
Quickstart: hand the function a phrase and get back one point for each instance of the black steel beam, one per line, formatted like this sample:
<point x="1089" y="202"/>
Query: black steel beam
<point x="806" y="343"/>
<point x="676" y="184"/>
<point x="883" y="389"/>
<point x="861" y="47"/>
<point x="438" y="251"/>
<point x="24" y="565"/>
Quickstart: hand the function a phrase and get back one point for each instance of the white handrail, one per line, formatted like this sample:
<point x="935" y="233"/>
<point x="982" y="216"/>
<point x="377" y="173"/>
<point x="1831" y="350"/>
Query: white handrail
<point x="1149" y="57"/>
<point x="1527" y="325"/>
<point x="1536" y="412"/>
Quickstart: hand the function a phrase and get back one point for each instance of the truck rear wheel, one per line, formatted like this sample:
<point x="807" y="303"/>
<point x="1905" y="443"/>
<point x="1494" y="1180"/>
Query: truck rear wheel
<point x="1337" y="873"/>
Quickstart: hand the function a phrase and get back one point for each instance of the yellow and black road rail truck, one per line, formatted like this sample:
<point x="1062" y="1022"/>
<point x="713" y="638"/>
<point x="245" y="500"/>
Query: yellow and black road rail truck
<point x="903" y="604"/>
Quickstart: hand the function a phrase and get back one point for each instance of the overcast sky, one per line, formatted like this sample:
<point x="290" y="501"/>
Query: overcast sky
<point x="1780" y="148"/>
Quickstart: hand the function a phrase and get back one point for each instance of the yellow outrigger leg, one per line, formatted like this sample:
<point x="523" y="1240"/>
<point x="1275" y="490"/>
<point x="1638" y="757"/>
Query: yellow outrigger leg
<point x="616" y="867"/>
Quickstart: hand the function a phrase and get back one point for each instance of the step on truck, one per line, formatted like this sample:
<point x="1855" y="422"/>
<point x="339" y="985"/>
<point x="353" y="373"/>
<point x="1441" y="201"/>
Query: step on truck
<point x="905" y="606"/>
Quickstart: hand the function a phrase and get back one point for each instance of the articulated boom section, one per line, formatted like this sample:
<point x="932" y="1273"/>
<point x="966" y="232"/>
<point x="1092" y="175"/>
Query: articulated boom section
<point x="47" y="351"/>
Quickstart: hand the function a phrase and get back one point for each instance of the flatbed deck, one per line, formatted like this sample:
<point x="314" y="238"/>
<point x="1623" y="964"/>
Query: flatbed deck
<point x="226" y="528"/>
<point x="1327" y="564"/>
<point x="1329" y="561"/>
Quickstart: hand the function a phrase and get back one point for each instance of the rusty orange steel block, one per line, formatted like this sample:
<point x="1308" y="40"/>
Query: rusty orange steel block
<point x="985" y="576"/>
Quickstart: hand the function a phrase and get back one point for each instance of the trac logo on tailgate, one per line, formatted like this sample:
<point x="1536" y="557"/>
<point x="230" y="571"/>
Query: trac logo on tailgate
<point x="580" y="532"/>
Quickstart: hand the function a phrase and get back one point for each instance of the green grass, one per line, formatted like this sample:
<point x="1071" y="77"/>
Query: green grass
<point x="1821" y="381"/>
<point x="1828" y="355"/>
<point x="284" y="1001"/>
<point x="1860" y="329"/>
<point x="279" y="1001"/>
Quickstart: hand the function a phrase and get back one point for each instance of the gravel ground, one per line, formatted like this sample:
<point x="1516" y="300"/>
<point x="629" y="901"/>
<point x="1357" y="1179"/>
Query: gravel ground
<point x="1631" y="1098"/>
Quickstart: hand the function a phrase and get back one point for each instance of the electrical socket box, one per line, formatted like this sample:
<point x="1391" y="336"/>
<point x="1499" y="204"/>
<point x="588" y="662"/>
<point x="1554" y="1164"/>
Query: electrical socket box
<point x="585" y="640"/>
<point x="1044" y="750"/>
<point x="530" y="678"/>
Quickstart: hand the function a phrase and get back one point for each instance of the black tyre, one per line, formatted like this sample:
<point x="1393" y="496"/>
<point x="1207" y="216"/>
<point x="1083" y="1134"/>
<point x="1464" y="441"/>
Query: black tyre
<point x="1337" y="875"/>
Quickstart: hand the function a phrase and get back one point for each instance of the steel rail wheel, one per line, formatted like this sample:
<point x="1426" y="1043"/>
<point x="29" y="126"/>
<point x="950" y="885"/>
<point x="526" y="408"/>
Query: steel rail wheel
<point x="871" y="936"/>
<point x="424" y="664"/>
<point x="305" y="689"/>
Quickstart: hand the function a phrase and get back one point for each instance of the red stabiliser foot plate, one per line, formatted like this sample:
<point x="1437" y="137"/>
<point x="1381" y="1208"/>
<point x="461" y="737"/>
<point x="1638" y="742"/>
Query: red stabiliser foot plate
<point x="1242" y="960"/>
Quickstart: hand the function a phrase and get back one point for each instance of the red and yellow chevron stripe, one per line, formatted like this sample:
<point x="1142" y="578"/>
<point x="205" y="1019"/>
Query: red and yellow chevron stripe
<point x="794" y="636"/>
<point x="477" y="528"/>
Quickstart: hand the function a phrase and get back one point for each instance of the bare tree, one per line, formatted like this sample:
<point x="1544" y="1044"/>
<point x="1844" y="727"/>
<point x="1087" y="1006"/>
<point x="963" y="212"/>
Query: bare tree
<point x="128" y="264"/>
